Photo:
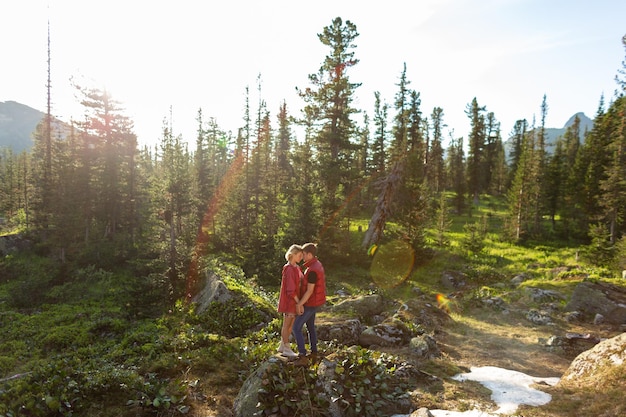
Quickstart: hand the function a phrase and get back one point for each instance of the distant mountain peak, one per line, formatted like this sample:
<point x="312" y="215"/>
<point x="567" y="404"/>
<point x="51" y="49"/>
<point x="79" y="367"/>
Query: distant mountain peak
<point x="584" y="121"/>
<point x="17" y="123"/>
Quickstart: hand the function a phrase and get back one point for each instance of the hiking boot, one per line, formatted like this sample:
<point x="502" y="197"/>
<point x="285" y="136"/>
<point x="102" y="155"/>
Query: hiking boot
<point x="314" y="357"/>
<point x="301" y="361"/>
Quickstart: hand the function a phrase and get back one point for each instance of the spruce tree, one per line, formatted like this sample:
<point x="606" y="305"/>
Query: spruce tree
<point x="330" y="99"/>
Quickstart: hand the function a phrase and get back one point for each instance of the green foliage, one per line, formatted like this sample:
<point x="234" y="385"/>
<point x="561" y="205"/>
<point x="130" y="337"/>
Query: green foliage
<point x="364" y="384"/>
<point x="291" y="391"/>
<point x="473" y="241"/>
<point x="601" y="252"/>
<point x="28" y="278"/>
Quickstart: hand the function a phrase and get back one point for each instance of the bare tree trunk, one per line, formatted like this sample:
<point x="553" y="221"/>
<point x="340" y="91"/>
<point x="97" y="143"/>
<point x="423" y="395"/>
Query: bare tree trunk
<point x="383" y="205"/>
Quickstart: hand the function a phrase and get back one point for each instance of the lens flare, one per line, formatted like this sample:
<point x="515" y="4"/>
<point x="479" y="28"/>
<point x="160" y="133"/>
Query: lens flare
<point x="392" y="263"/>
<point x="444" y="303"/>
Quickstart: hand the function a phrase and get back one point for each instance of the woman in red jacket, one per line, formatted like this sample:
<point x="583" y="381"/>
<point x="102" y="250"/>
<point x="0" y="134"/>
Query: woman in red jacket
<point x="289" y="296"/>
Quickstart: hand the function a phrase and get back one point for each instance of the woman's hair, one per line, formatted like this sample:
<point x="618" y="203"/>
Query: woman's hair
<point x="293" y="250"/>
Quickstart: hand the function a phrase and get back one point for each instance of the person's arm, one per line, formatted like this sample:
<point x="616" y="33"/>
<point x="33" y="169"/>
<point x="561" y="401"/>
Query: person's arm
<point x="310" y="287"/>
<point x="309" y="291"/>
<point x="292" y="286"/>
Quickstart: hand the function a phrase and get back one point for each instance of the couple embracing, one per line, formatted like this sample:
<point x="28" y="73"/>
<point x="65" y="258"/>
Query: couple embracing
<point x="301" y="295"/>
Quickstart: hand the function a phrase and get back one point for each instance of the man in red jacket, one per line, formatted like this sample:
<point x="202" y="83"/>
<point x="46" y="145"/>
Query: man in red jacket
<point x="313" y="297"/>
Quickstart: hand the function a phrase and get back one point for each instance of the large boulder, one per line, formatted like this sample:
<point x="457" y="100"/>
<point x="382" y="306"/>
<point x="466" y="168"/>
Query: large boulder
<point x="213" y="289"/>
<point x="344" y="332"/>
<point x="389" y="333"/>
<point x="423" y="314"/>
<point x="363" y="307"/>
<point x="599" y="298"/>
<point x="245" y="403"/>
<point x="608" y="353"/>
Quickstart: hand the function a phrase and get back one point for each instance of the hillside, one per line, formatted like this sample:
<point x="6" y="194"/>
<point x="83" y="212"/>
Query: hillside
<point x="124" y="352"/>
<point x="17" y="123"/>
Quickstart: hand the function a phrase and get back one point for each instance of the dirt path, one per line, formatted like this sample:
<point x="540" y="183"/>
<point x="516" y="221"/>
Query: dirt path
<point x="492" y="338"/>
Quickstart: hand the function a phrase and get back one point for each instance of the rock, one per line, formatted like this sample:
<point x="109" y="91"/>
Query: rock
<point x="598" y="319"/>
<point x="494" y="302"/>
<point x="345" y="332"/>
<point x="539" y="317"/>
<point x="573" y="316"/>
<point x="364" y="307"/>
<point x="539" y="295"/>
<point x="423" y="315"/>
<point x="214" y="289"/>
<point x="453" y="279"/>
<point x="572" y="343"/>
<point x="245" y="403"/>
<point x="422" y="412"/>
<point x="591" y="298"/>
<point x="608" y="353"/>
<point x="518" y="279"/>
<point x="390" y="333"/>
<point x="425" y="347"/>
<point x="14" y="243"/>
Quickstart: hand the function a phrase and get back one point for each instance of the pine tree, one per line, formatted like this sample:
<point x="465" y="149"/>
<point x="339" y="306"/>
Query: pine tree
<point x="456" y="173"/>
<point x="435" y="163"/>
<point x="571" y="174"/>
<point x="176" y="203"/>
<point x="516" y="137"/>
<point x="476" y="168"/>
<point x="379" y="145"/>
<point x="523" y="191"/>
<point x="330" y="100"/>
<point x="612" y="198"/>
<point x="540" y="168"/>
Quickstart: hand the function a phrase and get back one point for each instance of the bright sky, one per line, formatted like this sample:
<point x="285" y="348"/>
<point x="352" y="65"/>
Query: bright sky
<point x="185" y="55"/>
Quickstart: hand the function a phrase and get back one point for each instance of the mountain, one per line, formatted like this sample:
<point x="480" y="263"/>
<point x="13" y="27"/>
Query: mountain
<point x="552" y="134"/>
<point x="17" y="123"/>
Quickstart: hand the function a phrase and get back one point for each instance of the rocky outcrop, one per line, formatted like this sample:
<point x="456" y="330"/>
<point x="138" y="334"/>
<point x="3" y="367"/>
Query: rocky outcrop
<point x="13" y="243"/>
<point x="365" y="306"/>
<point x="606" y="354"/>
<point x="391" y="333"/>
<point x="213" y="289"/>
<point x="245" y="403"/>
<point x="345" y="332"/>
<point x="600" y="302"/>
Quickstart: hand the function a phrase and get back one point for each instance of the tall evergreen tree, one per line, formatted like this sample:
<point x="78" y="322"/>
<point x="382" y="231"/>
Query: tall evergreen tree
<point x="330" y="100"/>
<point x="540" y="168"/>
<point x="435" y="163"/>
<point x="456" y="173"/>
<point x="516" y="137"/>
<point x="612" y="198"/>
<point x="379" y="145"/>
<point x="475" y="156"/>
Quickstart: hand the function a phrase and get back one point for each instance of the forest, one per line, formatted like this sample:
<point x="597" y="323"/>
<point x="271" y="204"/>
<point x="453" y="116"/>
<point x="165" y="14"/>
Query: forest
<point x="88" y="198"/>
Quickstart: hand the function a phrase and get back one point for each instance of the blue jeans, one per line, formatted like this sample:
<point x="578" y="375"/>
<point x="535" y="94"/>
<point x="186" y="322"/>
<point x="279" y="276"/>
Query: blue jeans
<point x="308" y="318"/>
